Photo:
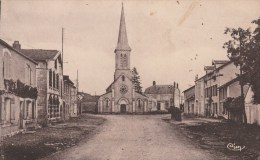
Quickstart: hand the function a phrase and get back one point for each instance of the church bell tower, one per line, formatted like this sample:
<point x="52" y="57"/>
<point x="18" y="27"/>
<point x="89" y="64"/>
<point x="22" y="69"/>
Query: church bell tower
<point x="122" y="51"/>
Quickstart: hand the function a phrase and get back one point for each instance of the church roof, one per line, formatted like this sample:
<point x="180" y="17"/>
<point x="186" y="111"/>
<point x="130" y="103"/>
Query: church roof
<point x="122" y="43"/>
<point x="160" y="89"/>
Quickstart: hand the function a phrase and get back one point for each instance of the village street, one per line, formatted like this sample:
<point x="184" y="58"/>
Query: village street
<point x="134" y="137"/>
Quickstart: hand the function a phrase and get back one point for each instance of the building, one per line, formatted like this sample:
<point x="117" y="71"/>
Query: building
<point x="228" y="94"/>
<point x="120" y="96"/>
<point x="162" y="97"/>
<point x="49" y="83"/>
<point x="18" y="92"/>
<point x="206" y="87"/>
<point x="189" y="101"/>
<point x="67" y="97"/>
<point x="252" y="110"/>
<point x="199" y="96"/>
<point x="89" y="103"/>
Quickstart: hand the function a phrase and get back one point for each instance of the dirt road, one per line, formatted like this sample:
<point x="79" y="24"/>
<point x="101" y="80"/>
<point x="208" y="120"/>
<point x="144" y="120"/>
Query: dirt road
<point x="144" y="137"/>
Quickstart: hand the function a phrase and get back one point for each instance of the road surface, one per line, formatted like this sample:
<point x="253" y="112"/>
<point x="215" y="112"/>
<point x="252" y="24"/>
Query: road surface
<point x="134" y="137"/>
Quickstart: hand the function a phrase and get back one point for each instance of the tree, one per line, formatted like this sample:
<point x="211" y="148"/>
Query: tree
<point x="253" y="62"/>
<point x="136" y="80"/>
<point x="237" y="52"/>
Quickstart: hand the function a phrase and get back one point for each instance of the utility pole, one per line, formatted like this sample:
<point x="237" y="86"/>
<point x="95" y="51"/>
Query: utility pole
<point x="62" y="40"/>
<point x="242" y="82"/>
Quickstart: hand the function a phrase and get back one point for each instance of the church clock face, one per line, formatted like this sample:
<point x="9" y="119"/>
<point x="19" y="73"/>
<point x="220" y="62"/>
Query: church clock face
<point x="123" y="89"/>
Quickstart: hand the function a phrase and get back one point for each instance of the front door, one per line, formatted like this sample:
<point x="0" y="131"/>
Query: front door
<point x="123" y="108"/>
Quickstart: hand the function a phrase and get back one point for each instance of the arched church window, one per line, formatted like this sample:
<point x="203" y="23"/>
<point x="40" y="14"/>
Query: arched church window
<point x="139" y="103"/>
<point x="124" y="61"/>
<point x="123" y="78"/>
<point x="107" y="102"/>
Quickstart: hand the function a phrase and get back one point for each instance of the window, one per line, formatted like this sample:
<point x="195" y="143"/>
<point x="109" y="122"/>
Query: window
<point x="28" y="74"/>
<point x="57" y="80"/>
<point x="54" y="85"/>
<point x="7" y="64"/>
<point x="7" y="109"/>
<point x="215" y="108"/>
<point x="139" y="103"/>
<point x="107" y="102"/>
<point x="50" y="78"/>
<point x="53" y="107"/>
<point x="124" y="61"/>
<point x="123" y="78"/>
<point x="55" y="64"/>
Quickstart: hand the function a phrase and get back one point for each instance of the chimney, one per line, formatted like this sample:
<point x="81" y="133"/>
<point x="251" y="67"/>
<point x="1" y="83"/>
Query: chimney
<point x="177" y="85"/>
<point x="17" y="45"/>
<point x="154" y="83"/>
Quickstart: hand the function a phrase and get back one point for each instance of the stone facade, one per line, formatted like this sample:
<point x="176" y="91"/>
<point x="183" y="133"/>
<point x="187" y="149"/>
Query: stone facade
<point x="69" y="99"/>
<point x="189" y="101"/>
<point x="49" y="82"/>
<point x="120" y="96"/>
<point x="18" y="92"/>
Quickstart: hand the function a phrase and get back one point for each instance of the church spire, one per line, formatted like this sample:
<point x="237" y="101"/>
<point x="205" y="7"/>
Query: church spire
<point x="122" y="43"/>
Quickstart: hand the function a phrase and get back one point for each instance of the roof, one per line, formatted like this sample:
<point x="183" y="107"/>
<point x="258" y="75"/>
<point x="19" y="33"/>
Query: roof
<point x="227" y="63"/>
<point x="189" y="88"/>
<point x="20" y="53"/>
<point x="230" y="82"/>
<point x="122" y="43"/>
<point x="88" y="98"/>
<point x="66" y="78"/>
<point x="159" y="89"/>
<point x="219" y="61"/>
<point x="40" y="54"/>
<point x="209" y="67"/>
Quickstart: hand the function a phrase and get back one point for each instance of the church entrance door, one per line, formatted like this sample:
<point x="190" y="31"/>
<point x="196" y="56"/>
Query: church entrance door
<point x="123" y="108"/>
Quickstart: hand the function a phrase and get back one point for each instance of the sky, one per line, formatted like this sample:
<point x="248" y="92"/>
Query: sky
<point x="165" y="35"/>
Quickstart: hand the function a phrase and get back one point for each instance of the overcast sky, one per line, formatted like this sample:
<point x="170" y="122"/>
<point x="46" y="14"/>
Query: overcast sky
<point x="165" y="35"/>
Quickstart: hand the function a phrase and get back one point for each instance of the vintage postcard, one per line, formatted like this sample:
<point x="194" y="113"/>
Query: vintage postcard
<point x="129" y="79"/>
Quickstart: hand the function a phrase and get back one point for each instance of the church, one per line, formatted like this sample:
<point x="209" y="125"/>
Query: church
<point x="120" y="96"/>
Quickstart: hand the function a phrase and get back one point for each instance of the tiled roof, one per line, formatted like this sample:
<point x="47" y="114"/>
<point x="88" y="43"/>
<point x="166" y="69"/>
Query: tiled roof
<point x="189" y="88"/>
<point x="159" y="89"/>
<point x="19" y="52"/>
<point x="209" y="67"/>
<point x="66" y="78"/>
<point x="219" y="61"/>
<point x="40" y="54"/>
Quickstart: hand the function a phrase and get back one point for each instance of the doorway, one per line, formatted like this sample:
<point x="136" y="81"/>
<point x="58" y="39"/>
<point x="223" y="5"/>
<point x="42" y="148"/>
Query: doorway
<point x="123" y="108"/>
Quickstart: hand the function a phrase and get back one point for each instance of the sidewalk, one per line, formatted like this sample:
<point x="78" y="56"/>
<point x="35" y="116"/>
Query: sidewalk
<point x="45" y="141"/>
<point x="214" y="135"/>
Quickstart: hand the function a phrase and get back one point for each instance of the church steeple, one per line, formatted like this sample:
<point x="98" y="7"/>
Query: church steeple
<point x="122" y="43"/>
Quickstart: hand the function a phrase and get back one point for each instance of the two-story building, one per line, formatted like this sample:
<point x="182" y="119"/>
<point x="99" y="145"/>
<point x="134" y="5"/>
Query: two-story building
<point x="49" y="83"/>
<point x="189" y="101"/>
<point x="207" y="102"/>
<point x="18" y="92"/>
<point x="162" y="97"/>
<point x="69" y="98"/>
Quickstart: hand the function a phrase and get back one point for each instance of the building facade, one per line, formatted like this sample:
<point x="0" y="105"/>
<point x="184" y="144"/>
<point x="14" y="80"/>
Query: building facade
<point x="69" y="99"/>
<point x="120" y="96"/>
<point x="162" y="97"/>
<point x="252" y="110"/>
<point x="49" y="84"/>
<point x="189" y="101"/>
<point x="18" y="92"/>
<point x="207" y="100"/>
